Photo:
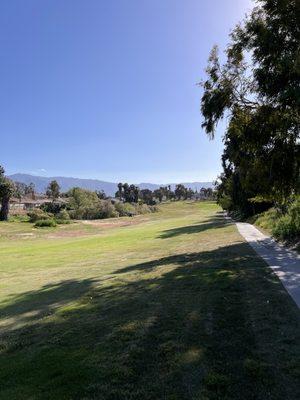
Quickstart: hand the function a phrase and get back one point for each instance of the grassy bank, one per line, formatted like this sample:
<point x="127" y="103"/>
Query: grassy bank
<point x="172" y="305"/>
<point x="283" y="226"/>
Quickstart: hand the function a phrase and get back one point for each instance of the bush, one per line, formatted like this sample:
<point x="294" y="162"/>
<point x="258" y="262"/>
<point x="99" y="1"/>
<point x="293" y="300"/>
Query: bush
<point x="294" y="211"/>
<point x="107" y="210"/>
<point x="125" y="209"/>
<point x="267" y="220"/>
<point x="63" y="215"/>
<point x="287" y="227"/>
<point x="37" y="215"/>
<point x="84" y="204"/>
<point x="85" y="212"/>
<point x="63" y="221"/>
<point x="145" y="209"/>
<point x="283" y="226"/>
<point x="43" y="223"/>
<point x="129" y="210"/>
<point x="18" y="218"/>
<point x="225" y="202"/>
<point x="53" y="207"/>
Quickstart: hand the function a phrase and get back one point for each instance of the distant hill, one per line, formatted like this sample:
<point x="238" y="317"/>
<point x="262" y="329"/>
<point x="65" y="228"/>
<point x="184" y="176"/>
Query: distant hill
<point x="110" y="188"/>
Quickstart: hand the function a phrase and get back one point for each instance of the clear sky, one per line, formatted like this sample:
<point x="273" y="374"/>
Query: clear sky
<point x="107" y="88"/>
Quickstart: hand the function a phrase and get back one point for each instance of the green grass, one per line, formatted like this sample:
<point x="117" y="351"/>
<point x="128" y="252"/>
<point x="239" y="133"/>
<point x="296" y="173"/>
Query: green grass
<point x="172" y="305"/>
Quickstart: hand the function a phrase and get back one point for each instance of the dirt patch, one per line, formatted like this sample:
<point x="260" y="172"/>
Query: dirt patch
<point x="66" y="234"/>
<point x="117" y="223"/>
<point x="98" y="225"/>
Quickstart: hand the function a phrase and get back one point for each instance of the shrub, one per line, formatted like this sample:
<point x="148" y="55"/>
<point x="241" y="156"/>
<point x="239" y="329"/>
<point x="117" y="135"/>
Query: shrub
<point x="267" y="220"/>
<point x="294" y="212"/>
<point x="125" y="209"/>
<point x="63" y="221"/>
<point x="107" y="210"/>
<point x="63" y="215"/>
<point x="45" y="223"/>
<point x="37" y="215"/>
<point x="53" y="207"/>
<point x="285" y="228"/>
<point x="128" y="209"/>
<point x="225" y="202"/>
<point x="85" y="212"/>
<point x="84" y="204"/>
<point x="18" y="218"/>
<point x="145" y="209"/>
<point x="142" y="209"/>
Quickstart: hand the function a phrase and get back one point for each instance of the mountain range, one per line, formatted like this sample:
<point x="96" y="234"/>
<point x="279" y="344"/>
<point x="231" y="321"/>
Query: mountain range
<point x="110" y="188"/>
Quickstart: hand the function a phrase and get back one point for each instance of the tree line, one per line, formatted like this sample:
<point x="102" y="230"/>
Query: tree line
<point x="133" y="194"/>
<point x="257" y="89"/>
<point x="87" y="203"/>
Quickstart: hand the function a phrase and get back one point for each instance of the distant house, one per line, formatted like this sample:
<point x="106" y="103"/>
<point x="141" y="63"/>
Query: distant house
<point x="25" y="204"/>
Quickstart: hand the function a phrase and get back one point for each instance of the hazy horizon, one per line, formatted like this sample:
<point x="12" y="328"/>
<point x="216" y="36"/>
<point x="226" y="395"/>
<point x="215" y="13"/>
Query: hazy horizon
<point x="112" y="181"/>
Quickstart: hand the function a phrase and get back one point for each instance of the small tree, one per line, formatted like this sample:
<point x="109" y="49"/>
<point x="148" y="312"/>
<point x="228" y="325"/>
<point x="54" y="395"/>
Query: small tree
<point x="6" y="191"/>
<point x="119" y="192"/>
<point x="134" y="193"/>
<point x="30" y="190"/>
<point x="20" y="190"/>
<point x="53" y="190"/>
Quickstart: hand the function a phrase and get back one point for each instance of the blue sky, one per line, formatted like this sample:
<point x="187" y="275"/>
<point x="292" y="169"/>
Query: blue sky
<point x="107" y="89"/>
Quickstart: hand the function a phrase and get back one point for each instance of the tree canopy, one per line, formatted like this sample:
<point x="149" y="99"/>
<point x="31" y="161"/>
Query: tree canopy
<point x="53" y="190"/>
<point x="257" y="89"/>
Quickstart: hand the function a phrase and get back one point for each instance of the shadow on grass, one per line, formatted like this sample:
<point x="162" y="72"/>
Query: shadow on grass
<point x="40" y="303"/>
<point x="207" y="325"/>
<point x="212" y="223"/>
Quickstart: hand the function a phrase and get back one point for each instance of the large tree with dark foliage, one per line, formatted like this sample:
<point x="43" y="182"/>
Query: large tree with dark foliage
<point x="128" y="193"/>
<point x="53" y="190"/>
<point x="181" y="192"/>
<point x="6" y="191"/>
<point x="258" y="90"/>
<point x="146" y="195"/>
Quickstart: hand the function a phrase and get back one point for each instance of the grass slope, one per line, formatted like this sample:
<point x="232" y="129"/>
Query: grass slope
<point x="174" y="305"/>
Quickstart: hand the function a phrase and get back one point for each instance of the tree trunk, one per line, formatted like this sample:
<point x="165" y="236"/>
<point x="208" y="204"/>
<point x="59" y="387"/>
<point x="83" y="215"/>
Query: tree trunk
<point x="4" y="209"/>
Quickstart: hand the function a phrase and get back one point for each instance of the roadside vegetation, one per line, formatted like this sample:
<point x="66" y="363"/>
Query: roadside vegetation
<point x="283" y="225"/>
<point x="172" y="304"/>
<point x="257" y="90"/>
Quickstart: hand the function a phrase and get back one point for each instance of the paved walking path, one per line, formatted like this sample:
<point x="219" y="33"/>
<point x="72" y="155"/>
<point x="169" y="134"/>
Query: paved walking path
<point x="285" y="263"/>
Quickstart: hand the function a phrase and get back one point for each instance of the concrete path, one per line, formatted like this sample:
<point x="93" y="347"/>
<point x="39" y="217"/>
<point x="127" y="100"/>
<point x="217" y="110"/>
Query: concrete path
<point x="285" y="263"/>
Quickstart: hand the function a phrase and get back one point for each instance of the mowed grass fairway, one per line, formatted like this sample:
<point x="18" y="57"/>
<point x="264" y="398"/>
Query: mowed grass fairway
<point x="172" y="305"/>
